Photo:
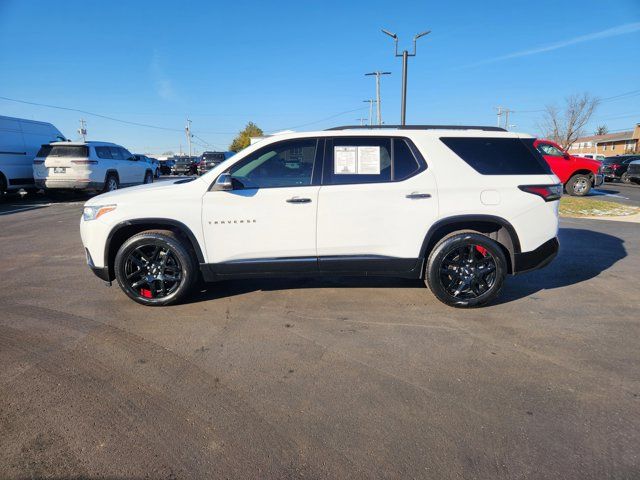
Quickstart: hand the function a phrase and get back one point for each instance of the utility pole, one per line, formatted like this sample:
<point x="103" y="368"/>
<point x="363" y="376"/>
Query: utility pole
<point x="83" y="129"/>
<point x="361" y="120"/>
<point x="506" y="118"/>
<point x="405" y="56"/>
<point x="378" y="109"/>
<point x="188" y="132"/>
<point x="371" y="101"/>
<point x="499" y="115"/>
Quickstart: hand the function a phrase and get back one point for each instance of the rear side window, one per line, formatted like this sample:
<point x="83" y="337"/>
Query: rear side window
<point x="104" y="152"/>
<point x="498" y="156"/>
<point x="353" y="160"/>
<point x="76" y="151"/>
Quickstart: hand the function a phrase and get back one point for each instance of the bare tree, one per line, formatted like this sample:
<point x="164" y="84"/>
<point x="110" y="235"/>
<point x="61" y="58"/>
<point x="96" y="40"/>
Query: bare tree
<point x="601" y="130"/>
<point x="566" y="126"/>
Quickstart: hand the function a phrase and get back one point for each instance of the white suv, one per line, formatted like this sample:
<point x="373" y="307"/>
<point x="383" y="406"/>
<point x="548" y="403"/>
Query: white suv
<point x="93" y="166"/>
<point x="460" y="207"/>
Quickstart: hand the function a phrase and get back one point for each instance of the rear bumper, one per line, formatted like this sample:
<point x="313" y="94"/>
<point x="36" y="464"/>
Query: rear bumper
<point x="538" y="258"/>
<point x="69" y="184"/>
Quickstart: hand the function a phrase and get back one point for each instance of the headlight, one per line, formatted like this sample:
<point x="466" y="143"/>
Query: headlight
<point x="94" y="212"/>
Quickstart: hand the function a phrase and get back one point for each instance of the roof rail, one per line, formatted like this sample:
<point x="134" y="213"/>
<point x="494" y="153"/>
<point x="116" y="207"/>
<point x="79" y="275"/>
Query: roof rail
<point x="419" y="127"/>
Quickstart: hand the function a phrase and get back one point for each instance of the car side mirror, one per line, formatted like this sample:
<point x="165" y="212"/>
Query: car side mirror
<point x="223" y="183"/>
<point x="566" y="156"/>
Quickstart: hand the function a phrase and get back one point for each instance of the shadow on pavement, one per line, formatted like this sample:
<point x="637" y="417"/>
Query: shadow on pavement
<point x="584" y="254"/>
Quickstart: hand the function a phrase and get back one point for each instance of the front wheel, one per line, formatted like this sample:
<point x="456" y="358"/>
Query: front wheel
<point x="148" y="177"/>
<point x="578" y="185"/>
<point x="625" y="178"/>
<point x="466" y="270"/>
<point x="155" y="268"/>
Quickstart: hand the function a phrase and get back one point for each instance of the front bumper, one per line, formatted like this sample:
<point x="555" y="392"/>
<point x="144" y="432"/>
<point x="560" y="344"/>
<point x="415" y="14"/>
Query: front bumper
<point x="538" y="258"/>
<point x="598" y="179"/>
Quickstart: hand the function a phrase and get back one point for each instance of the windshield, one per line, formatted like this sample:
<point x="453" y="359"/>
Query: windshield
<point x="63" y="151"/>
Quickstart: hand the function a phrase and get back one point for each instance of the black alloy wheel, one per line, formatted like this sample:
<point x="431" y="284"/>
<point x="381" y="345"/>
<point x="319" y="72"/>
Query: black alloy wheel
<point x="155" y="268"/>
<point x="466" y="269"/>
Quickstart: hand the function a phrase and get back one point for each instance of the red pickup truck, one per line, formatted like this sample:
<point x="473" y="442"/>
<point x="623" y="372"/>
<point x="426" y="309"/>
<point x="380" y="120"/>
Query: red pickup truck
<point x="577" y="174"/>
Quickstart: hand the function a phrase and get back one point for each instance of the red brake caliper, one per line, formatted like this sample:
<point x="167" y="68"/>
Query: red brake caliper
<point x="482" y="250"/>
<point x="145" y="293"/>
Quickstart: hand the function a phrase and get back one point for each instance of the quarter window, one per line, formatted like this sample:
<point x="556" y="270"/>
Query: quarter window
<point x="104" y="152"/>
<point x="284" y="164"/>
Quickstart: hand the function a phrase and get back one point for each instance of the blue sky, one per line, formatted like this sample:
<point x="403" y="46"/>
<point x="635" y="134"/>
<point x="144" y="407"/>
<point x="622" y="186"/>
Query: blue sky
<point x="296" y="63"/>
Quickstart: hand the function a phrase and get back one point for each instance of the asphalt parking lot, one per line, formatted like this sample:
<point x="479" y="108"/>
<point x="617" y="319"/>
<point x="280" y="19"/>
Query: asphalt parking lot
<point x="334" y="378"/>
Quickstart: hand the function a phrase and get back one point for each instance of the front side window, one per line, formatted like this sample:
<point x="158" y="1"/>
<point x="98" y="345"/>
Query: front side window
<point x="546" y="149"/>
<point x="283" y="164"/>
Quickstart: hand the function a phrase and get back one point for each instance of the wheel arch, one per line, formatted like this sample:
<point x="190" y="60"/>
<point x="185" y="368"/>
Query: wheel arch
<point x="111" y="171"/>
<point x="126" y="229"/>
<point x="582" y="171"/>
<point x="496" y="228"/>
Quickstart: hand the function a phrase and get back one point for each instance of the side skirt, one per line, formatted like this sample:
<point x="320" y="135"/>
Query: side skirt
<point x="358" y="265"/>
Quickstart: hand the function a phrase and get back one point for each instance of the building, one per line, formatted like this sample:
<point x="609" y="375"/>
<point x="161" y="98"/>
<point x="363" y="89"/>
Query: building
<point x="609" y="144"/>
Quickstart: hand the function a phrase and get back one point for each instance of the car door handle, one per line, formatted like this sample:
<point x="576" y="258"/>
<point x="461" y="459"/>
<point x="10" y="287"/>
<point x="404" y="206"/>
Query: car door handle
<point x="419" y="195"/>
<point x="298" y="200"/>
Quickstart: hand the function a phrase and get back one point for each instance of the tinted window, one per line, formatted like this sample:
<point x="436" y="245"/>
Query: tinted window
<point x="126" y="154"/>
<point x="103" y="152"/>
<point x="116" y="153"/>
<point x="498" y="156"/>
<point x="546" y="149"/>
<point x="63" y="151"/>
<point x="404" y="163"/>
<point x="284" y="164"/>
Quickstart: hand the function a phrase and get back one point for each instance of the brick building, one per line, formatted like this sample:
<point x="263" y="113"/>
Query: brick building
<point x="609" y="144"/>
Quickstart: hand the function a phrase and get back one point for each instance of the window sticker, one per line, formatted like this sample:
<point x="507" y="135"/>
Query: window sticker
<point x="369" y="160"/>
<point x="356" y="160"/>
<point x="345" y="160"/>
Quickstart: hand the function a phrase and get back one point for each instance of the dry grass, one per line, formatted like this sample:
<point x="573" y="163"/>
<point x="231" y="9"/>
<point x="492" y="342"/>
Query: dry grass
<point x="588" y="207"/>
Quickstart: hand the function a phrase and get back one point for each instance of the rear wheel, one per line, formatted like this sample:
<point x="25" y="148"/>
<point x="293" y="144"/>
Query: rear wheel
<point x="625" y="178"/>
<point x="155" y="268"/>
<point x="148" y="177"/>
<point x="3" y="186"/>
<point x="466" y="270"/>
<point x="578" y="185"/>
<point x="111" y="184"/>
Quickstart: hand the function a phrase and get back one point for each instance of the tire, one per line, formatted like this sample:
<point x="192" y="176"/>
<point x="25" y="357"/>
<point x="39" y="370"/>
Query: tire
<point x="111" y="183"/>
<point x="625" y="178"/>
<point x="468" y="263"/>
<point x="3" y="187"/>
<point x="579" y="185"/>
<point x="148" y="177"/>
<point x="173" y="258"/>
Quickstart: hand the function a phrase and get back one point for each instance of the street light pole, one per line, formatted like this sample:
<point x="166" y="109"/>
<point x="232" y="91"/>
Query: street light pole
<point x="370" y="102"/>
<point x="405" y="56"/>
<point x="378" y="109"/>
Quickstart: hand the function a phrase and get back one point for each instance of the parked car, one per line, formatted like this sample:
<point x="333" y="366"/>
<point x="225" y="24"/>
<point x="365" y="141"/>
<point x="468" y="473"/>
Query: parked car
<point x="457" y="207"/>
<point x="208" y="160"/>
<point x="166" y="166"/>
<point x="633" y="171"/>
<point x="185" y="166"/>
<point x="577" y="174"/>
<point x="20" y="140"/>
<point x="91" y="166"/>
<point x="615" y="168"/>
<point x="155" y="166"/>
<point x="598" y="157"/>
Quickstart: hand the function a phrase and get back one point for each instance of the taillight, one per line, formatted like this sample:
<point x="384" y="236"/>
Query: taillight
<point x="549" y="193"/>
<point x="85" y="162"/>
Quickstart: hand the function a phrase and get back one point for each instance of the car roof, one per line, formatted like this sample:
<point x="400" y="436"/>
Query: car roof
<point x="402" y="131"/>
<point x="87" y="143"/>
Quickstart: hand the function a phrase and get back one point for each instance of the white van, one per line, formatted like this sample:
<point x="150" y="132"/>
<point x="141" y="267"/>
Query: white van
<point x="20" y="140"/>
